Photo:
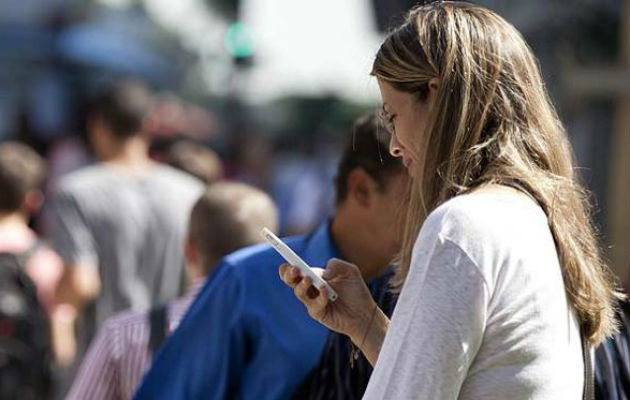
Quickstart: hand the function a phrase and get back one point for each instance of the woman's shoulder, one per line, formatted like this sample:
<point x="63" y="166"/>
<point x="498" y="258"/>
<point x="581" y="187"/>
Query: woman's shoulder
<point x="486" y="212"/>
<point x="483" y="223"/>
<point x="494" y="233"/>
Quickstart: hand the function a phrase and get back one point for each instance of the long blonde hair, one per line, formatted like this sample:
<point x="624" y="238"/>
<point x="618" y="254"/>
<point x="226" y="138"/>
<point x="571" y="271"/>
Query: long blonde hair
<point x="493" y="121"/>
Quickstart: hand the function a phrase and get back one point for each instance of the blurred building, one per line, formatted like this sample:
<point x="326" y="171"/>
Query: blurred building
<point x="54" y="52"/>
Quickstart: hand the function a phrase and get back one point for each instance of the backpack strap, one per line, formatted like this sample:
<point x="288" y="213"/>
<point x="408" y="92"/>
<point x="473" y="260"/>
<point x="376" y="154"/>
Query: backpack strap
<point x="158" y="327"/>
<point x="16" y="263"/>
<point x="589" y="385"/>
<point x="622" y="343"/>
<point x="23" y="257"/>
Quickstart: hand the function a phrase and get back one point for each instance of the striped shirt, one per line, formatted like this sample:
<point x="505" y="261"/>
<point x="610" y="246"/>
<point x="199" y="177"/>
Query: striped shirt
<point x="335" y="378"/>
<point x="119" y="356"/>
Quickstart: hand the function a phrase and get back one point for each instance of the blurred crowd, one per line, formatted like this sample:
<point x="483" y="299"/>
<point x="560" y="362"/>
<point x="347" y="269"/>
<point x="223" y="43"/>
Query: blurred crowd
<point x="108" y="257"/>
<point x="99" y="223"/>
<point x="114" y="212"/>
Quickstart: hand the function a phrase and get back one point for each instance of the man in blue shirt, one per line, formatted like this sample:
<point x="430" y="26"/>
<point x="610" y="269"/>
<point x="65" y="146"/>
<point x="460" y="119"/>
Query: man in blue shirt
<point x="246" y="336"/>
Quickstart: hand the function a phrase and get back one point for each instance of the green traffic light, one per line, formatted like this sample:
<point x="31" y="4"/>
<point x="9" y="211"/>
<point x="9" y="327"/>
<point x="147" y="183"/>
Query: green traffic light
<point x="238" y="40"/>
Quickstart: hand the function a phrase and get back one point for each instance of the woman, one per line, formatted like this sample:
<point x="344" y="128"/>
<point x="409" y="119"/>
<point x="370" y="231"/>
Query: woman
<point x="500" y="269"/>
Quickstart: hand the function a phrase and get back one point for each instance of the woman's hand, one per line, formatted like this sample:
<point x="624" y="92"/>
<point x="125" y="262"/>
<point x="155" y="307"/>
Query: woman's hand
<point x="350" y="314"/>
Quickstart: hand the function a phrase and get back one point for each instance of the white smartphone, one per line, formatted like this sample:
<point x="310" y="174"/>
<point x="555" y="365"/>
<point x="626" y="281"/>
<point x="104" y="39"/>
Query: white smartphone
<point x="295" y="260"/>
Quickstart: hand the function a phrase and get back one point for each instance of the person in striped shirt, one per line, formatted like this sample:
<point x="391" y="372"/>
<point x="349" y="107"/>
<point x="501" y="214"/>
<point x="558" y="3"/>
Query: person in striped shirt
<point x="228" y="216"/>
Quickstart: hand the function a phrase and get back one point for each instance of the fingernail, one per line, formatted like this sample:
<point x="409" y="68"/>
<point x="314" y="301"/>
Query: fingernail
<point x="327" y="274"/>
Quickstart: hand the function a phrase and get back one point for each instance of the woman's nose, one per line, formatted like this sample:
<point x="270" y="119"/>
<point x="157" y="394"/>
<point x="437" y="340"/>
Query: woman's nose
<point x="395" y="148"/>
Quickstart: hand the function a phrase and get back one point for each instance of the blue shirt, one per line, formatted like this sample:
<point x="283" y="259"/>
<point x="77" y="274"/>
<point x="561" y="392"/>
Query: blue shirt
<point x="246" y="336"/>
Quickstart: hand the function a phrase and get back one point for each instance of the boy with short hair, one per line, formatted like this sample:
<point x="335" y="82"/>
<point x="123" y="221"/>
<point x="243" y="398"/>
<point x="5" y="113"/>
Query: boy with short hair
<point x="227" y="217"/>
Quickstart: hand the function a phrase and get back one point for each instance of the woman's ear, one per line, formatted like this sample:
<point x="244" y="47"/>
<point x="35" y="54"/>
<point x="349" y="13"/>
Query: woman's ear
<point x="434" y="84"/>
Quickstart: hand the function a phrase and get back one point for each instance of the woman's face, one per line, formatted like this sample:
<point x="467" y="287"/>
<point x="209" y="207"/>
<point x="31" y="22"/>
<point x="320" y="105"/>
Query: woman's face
<point x="406" y="116"/>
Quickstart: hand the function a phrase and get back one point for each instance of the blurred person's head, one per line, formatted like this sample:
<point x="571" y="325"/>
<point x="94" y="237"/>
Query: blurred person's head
<point x="195" y="159"/>
<point x="22" y="173"/>
<point x="466" y="106"/>
<point x="370" y="186"/>
<point x="118" y="116"/>
<point x="227" y="217"/>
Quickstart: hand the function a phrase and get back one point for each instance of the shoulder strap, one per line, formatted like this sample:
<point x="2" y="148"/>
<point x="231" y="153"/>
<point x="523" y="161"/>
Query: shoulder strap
<point x="33" y="248"/>
<point x="622" y="344"/>
<point x="589" y="386"/>
<point x="158" y="327"/>
<point x="18" y="260"/>
<point x="22" y="258"/>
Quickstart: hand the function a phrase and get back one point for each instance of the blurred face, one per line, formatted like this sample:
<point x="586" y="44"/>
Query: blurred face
<point x="406" y="117"/>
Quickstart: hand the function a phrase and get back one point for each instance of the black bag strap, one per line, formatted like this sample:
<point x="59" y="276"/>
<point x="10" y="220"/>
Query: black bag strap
<point x="34" y="248"/>
<point x="158" y="327"/>
<point x="623" y="346"/>
<point x="16" y="264"/>
<point x="589" y="384"/>
<point x="22" y="258"/>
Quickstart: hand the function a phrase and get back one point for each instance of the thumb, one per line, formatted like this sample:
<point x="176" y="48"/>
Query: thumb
<point x="336" y="267"/>
<point x="318" y="271"/>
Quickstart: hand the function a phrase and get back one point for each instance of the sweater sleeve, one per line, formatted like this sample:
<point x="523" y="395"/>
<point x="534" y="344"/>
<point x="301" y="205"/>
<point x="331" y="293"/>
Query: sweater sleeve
<point x="437" y="327"/>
